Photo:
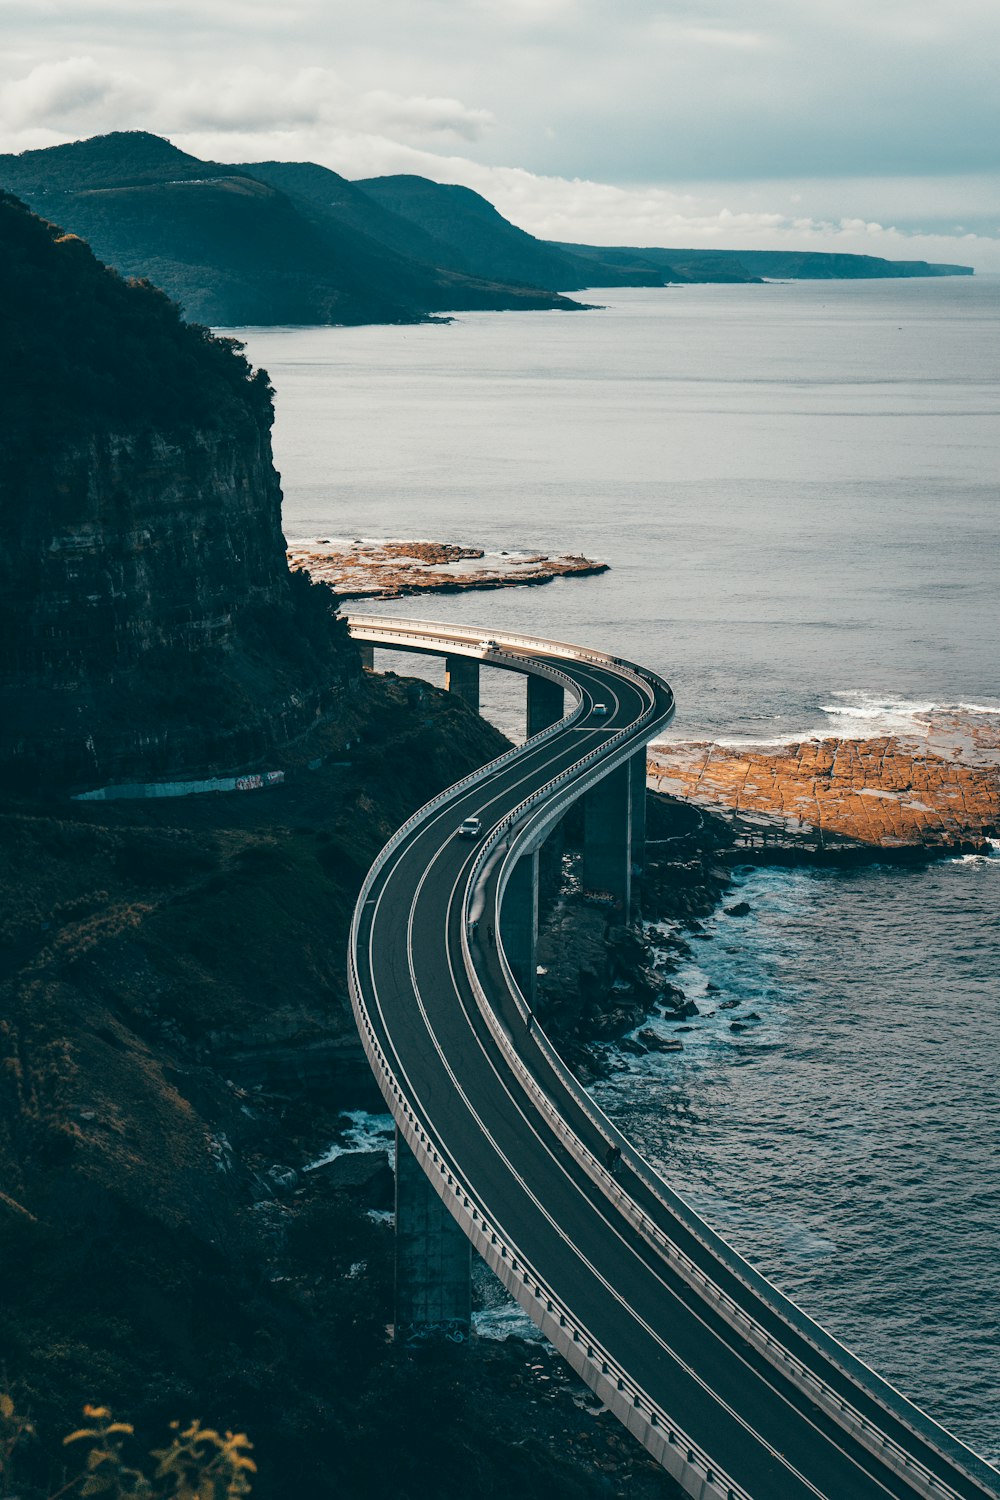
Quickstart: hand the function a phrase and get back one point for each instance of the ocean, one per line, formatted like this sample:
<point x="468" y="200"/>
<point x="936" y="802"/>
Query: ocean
<point x="796" y="487"/>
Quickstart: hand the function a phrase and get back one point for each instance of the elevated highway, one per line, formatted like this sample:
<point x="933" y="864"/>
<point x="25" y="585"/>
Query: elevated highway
<point x="730" y="1386"/>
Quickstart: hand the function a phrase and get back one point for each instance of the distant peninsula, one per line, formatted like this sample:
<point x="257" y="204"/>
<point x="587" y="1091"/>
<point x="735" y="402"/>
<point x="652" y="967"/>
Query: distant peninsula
<point x="266" y="243"/>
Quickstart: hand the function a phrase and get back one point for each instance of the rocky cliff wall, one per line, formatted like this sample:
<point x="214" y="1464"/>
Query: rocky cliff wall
<point x="148" y="621"/>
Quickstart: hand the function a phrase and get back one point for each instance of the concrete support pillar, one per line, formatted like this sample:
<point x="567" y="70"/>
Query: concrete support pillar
<point x="519" y="923"/>
<point x="607" y="839"/>
<point x="433" y="1256"/>
<point x="545" y="703"/>
<point x="367" y="650"/>
<point x="637" y="766"/>
<point x="461" y="676"/>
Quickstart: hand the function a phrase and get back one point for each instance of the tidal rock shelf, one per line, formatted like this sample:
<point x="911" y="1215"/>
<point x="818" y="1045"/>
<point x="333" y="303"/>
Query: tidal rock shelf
<point x="380" y="569"/>
<point x="937" y="793"/>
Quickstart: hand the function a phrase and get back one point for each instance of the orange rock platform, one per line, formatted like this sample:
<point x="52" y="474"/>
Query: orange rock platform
<point x="890" y="792"/>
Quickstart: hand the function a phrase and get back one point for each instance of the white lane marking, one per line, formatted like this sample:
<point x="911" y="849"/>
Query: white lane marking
<point x="600" y="1204"/>
<point x="533" y="1198"/>
<point x="575" y="1186"/>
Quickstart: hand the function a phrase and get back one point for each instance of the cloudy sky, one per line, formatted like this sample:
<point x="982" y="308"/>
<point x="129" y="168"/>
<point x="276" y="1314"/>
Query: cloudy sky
<point x="860" y="125"/>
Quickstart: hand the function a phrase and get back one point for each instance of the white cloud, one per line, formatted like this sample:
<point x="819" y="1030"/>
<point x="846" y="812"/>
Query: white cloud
<point x="420" y="117"/>
<point x="61" y="93"/>
<point x="827" y="125"/>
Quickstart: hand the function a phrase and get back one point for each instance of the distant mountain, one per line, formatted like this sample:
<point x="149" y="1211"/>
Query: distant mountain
<point x="333" y="197"/>
<point x="232" y="248"/>
<point x="293" y="242"/>
<point x="481" y="242"/>
<point x="755" y="265"/>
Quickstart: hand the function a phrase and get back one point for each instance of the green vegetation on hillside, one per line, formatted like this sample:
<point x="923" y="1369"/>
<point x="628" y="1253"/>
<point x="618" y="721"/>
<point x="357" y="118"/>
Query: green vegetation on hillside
<point x="85" y="351"/>
<point x="232" y="248"/>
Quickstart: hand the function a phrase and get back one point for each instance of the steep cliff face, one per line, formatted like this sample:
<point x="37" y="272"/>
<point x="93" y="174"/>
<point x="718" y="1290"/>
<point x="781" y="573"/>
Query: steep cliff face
<point x="148" y="621"/>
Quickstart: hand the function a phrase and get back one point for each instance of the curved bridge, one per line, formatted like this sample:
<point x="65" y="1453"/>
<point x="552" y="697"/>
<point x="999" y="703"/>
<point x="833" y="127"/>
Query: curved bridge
<point x="728" y="1385"/>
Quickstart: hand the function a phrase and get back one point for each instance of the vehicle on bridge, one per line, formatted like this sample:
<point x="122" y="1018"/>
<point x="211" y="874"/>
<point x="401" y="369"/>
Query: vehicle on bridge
<point x="731" y="1387"/>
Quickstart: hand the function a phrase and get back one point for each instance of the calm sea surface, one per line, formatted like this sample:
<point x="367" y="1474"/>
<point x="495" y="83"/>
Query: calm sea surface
<point x="796" y="488"/>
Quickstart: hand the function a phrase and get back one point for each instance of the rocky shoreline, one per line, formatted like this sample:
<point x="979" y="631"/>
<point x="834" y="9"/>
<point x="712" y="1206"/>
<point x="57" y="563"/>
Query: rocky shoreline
<point x="598" y="982"/>
<point x="372" y="569"/>
<point x="892" y="796"/>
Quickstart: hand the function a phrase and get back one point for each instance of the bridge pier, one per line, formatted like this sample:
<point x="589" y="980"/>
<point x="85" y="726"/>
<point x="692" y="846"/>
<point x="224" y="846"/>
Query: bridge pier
<point x="637" y="765"/>
<point x="366" y="650"/>
<point x="607" y="838"/>
<point x="545" y="703"/>
<point x="519" y="923"/>
<point x="433" y="1256"/>
<point x="461" y="676"/>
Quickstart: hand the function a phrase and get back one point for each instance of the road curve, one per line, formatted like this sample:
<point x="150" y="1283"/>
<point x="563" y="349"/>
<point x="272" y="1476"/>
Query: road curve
<point x="729" y="1385"/>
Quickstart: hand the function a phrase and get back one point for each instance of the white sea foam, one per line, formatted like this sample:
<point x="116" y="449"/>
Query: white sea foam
<point x="498" y="1315"/>
<point x="360" y="1131"/>
<point x="992" y="858"/>
<point x="857" y="714"/>
<point x="850" y="714"/>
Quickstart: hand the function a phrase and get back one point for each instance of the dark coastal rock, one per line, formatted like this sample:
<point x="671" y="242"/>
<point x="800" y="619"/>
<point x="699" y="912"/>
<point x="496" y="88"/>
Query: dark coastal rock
<point x="683" y="1012"/>
<point x="737" y="1026"/>
<point x="741" y="909"/>
<point x="282" y="1179"/>
<point x="653" y="1042"/>
<point x="671" y="996"/>
<point x="362" y="1172"/>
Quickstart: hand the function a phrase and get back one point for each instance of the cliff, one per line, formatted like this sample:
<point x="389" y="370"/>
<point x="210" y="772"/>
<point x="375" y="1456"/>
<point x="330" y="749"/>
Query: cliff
<point x="148" y="621"/>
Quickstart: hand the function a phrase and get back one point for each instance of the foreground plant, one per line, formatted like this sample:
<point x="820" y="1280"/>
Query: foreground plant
<point x="198" y="1463"/>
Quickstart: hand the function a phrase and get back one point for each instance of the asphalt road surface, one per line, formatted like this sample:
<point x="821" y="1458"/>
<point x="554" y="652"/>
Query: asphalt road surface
<point x="570" y="1222"/>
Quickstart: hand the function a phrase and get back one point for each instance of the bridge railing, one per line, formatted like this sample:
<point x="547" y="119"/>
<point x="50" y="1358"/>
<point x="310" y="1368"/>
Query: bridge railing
<point x="675" y="1449"/>
<point x="610" y="1380"/>
<point x="407" y="630"/>
<point x="515" y="827"/>
<point x="844" y="1412"/>
<point x="662" y="1436"/>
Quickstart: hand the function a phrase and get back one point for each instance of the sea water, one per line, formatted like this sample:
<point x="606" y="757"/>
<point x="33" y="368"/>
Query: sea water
<point x="844" y="1137"/>
<point x="796" y="488"/>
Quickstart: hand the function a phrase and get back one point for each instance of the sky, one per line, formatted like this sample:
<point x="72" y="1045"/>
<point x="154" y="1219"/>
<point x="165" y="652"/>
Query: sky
<point x="869" y="126"/>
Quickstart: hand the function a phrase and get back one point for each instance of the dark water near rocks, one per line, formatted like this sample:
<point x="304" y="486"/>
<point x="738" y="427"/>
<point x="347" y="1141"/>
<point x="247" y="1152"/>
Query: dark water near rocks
<point x="796" y="487"/>
<point x="847" y="1141"/>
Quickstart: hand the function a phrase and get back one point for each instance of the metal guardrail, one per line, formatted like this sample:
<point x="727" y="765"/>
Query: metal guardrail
<point x="661" y="1435"/>
<point x="542" y="806"/>
<point x="842" y="1411"/>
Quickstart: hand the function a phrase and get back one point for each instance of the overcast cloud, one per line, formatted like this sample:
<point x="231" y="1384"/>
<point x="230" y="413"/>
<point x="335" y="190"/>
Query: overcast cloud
<point x="866" y="125"/>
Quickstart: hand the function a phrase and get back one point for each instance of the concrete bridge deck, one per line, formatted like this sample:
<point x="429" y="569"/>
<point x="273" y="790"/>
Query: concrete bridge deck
<point x="732" y="1388"/>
